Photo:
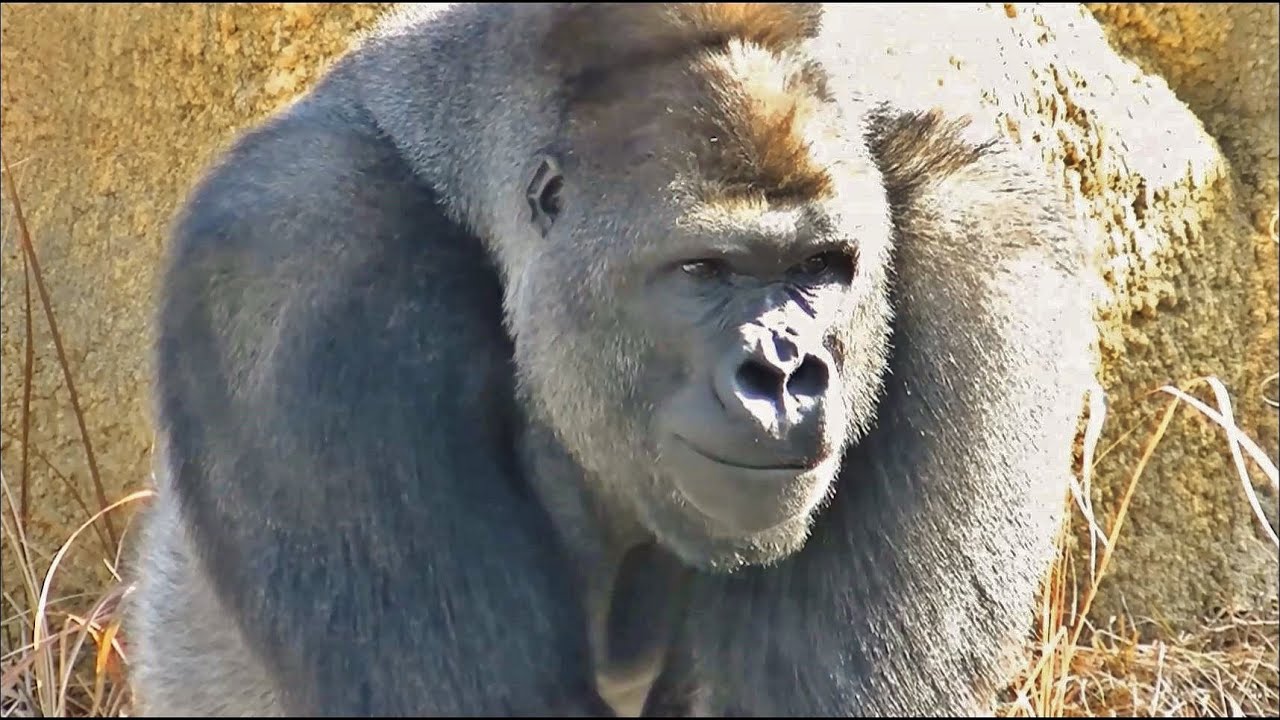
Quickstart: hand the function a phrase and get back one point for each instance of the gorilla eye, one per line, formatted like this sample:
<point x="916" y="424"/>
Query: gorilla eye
<point x="826" y="262"/>
<point x="703" y="269"/>
<point x="543" y="194"/>
<point x="815" y="264"/>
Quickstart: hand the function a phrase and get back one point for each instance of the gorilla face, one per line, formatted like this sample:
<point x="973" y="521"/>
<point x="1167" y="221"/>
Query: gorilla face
<point x="709" y="371"/>
<point x="707" y="357"/>
<point x="752" y="436"/>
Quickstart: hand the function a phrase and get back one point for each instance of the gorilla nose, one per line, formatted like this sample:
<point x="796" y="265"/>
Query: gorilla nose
<point x="779" y="389"/>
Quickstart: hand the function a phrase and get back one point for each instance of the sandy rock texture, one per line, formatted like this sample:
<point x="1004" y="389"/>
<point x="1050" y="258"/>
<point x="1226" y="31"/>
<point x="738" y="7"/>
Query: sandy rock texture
<point x="109" y="113"/>
<point x="1166" y="144"/>
<point x="1223" y="61"/>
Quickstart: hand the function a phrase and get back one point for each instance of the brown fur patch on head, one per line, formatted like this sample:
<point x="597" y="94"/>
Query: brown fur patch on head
<point x="751" y="122"/>
<point x="591" y="42"/>
<point x="723" y="80"/>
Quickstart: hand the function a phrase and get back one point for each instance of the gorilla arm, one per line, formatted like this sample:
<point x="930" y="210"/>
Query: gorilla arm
<point x="336" y="391"/>
<point x="923" y="568"/>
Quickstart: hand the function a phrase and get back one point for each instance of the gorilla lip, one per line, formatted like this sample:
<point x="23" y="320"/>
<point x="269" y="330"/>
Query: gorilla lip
<point x="746" y="499"/>
<point x="721" y="461"/>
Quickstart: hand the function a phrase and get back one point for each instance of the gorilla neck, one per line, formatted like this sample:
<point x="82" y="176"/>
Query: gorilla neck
<point x="598" y="527"/>
<point x="632" y="588"/>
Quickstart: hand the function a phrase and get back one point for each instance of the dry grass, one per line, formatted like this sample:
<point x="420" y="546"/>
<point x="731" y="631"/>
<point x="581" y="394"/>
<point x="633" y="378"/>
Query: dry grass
<point x="1228" y="667"/>
<point x="68" y="657"/>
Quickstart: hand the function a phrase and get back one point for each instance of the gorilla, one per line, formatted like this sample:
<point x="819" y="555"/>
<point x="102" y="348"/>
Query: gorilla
<point x="593" y="359"/>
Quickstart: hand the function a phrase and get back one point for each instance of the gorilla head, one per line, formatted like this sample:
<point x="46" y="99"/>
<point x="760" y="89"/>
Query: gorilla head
<point x="728" y="275"/>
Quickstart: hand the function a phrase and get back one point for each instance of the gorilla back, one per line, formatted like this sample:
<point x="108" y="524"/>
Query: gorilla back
<point x="541" y="351"/>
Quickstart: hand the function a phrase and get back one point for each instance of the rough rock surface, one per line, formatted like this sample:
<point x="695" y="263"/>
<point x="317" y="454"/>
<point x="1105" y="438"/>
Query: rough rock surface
<point x="109" y="111"/>
<point x="1223" y="61"/>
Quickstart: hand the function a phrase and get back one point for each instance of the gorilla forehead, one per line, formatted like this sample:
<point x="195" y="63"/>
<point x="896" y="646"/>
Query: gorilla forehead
<point x="734" y="147"/>
<point x="731" y="123"/>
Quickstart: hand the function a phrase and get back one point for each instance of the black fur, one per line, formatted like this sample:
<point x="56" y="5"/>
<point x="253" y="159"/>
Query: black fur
<point x="347" y="465"/>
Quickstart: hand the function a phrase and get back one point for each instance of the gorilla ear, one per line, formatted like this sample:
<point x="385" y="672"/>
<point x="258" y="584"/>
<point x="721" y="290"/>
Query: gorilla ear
<point x="543" y="193"/>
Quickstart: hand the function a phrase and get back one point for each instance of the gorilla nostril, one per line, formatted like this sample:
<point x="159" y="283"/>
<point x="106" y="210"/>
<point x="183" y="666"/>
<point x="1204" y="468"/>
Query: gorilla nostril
<point x="810" y="379"/>
<point x="785" y="350"/>
<point x="758" y="381"/>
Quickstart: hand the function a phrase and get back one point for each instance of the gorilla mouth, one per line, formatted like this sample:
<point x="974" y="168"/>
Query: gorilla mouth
<point x="739" y="499"/>
<point x="797" y="466"/>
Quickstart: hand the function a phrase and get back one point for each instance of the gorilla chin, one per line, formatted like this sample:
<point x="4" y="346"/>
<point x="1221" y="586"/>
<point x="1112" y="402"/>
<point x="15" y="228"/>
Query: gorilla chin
<point x="741" y="499"/>
<point x="749" y="449"/>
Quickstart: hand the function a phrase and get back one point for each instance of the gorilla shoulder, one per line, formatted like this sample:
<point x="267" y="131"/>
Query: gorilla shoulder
<point x="336" y="411"/>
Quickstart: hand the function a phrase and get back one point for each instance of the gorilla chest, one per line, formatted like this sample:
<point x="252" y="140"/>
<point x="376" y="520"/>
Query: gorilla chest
<point x="633" y="613"/>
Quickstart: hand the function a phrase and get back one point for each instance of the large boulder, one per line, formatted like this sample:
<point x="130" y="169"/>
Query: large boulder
<point x="109" y="111"/>
<point x="1192" y="548"/>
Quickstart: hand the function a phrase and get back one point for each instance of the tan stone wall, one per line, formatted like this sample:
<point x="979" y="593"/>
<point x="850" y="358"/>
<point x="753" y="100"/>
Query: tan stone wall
<point x="108" y="114"/>
<point x="1190" y="547"/>
<point x="109" y="111"/>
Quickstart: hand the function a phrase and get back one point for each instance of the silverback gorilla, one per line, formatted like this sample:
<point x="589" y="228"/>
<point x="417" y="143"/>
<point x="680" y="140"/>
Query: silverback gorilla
<point x="569" y="360"/>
